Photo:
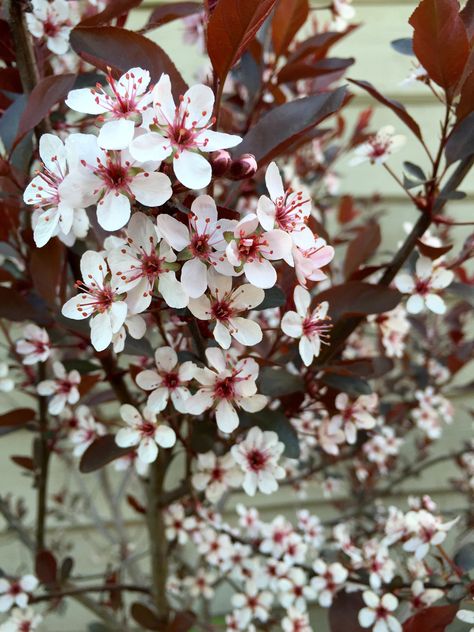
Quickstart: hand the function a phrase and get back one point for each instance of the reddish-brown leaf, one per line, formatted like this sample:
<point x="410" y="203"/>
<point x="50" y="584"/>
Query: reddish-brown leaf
<point x="18" y="417"/>
<point x="45" y="94"/>
<point x="114" y="9"/>
<point x="283" y="125"/>
<point x="289" y="17"/>
<point x="26" y="462"/>
<point x="467" y="16"/>
<point x="440" y="40"/>
<point x="47" y="270"/>
<point x="301" y="70"/>
<point x="10" y="80"/>
<point x="119" y="49"/>
<point x="136" y="504"/>
<point x="102" y="451"/>
<point x="232" y="26"/>
<point x="434" y="619"/>
<point x="431" y="251"/>
<point x="88" y="382"/>
<point x="362" y="247"/>
<point x="395" y="106"/>
<point x="182" y="622"/>
<point x="359" y="298"/>
<point x="343" y="612"/>
<point x="46" y="567"/>
<point x="318" y="45"/>
<point x="165" y="13"/>
<point x="17" y="307"/>
<point x="466" y="102"/>
<point x="146" y="617"/>
<point x="347" y="211"/>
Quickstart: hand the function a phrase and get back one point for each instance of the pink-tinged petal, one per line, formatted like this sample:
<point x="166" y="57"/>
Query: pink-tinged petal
<point x="116" y="134"/>
<point x="127" y="437"/>
<point x="150" y="146"/>
<point x="192" y="170"/>
<point x="175" y="233"/>
<point x="166" y="359"/>
<point x="199" y="103"/>
<point x="441" y="278"/>
<point x="136" y="326"/>
<point x="151" y="188"/>
<point x="247" y="297"/>
<point x="85" y="101"/>
<point x="435" y="303"/>
<point x="53" y="154"/>
<point x="266" y="213"/>
<point x="163" y="101"/>
<point x="250" y="483"/>
<point x="200" y="307"/>
<point x="209" y="140"/>
<point x="292" y="324"/>
<point x="232" y="254"/>
<point x="130" y="415"/>
<point x="267" y="483"/>
<point x="306" y="350"/>
<point x="219" y="285"/>
<point x="134" y="80"/>
<point x="147" y="450"/>
<point x="172" y="291"/>
<point x="194" y="277"/>
<point x="47" y="387"/>
<point x="246" y="331"/>
<point x="415" y="304"/>
<point x="165" y="436"/>
<point x="101" y="331"/>
<point x="221" y="335"/>
<point x="216" y="359"/>
<point x="274" y="182"/>
<point x="139" y="297"/>
<point x="58" y="44"/>
<point x="148" y="380"/>
<point x="46" y="227"/>
<point x="204" y="208"/>
<point x="83" y="147"/>
<point x="280" y="246"/>
<point x="247" y="225"/>
<point x="404" y="283"/>
<point x="302" y="299"/>
<point x="66" y="217"/>
<point x="113" y="211"/>
<point x="260" y="273"/>
<point x="227" y="418"/>
<point x="117" y="315"/>
<point x="198" y="403"/>
<point x="186" y="371"/>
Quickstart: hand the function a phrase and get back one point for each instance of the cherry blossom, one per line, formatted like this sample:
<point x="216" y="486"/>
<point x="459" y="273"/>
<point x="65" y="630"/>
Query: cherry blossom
<point x="35" y="345"/>
<point x="225" y="386"/>
<point x="120" y="107"/>
<point x="182" y="133"/>
<point x="275" y="535"/>
<point x="134" y="325"/>
<point x="258" y="455"/>
<point x="98" y="299"/>
<point x="86" y="431"/>
<point x="424" y="597"/>
<point x="382" y="446"/>
<point x="50" y="20"/>
<point x="287" y="210"/>
<point x="296" y="621"/>
<point x="113" y="180"/>
<point x="378" y="612"/>
<point x="309" y="261"/>
<point x="178" y="526"/>
<point x="63" y="388"/>
<point x="355" y="415"/>
<point x="145" y="432"/>
<point x="250" y="605"/>
<point x="329" y="579"/>
<point x="310" y="326"/>
<point x="200" y="585"/>
<point x="426" y="530"/>
<point x="203" y="244"/>
<point x="143" y="261"/>
<point x="215" y="475"/>
<point x="22" y="621"/>
<point x="294" y="590"/>
<point x="379" y="147"/>
<point x="224" y="306"/>
<point x="425" y="286"/>
<point x="16" y="592"/>
<point x="6" y="382"/>
<point x="59" y="205"/>
<point x="253" y="250"/>
<point x="168" y="381"/>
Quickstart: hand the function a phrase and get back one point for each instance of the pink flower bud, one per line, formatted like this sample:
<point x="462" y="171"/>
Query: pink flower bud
<point x="243" y="167"/>
<point x="220" y="162"/>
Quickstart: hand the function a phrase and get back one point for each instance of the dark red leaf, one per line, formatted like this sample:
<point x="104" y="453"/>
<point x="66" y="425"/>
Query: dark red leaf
<point x="119" y="49"/>
<point x="301" y="70"/>
<point x="440" y="40"/>
<point x="343" y="612"/>
<point x="283" y="125"/>
<point x="88" y="382"/>
<point x="17" y="307"/>
<point x="467" y="16"/>
<point x="135" y="504"/>
<point x="10" y="80"/>
<point x="26" y="462"/>
<point x="43" y="97"/>
<point x="466" y="102"/>
<point x="347" y="211"/>
<point x="165" y="13"/>
<point x="46" y="567"/>
<point x="366" y="367"/>
<point x="114" y="9"/>
<point x="232" y="26"/>
<point x="182" y="622"/>
<point x="47" y="270"/>
<point x="7" y="49"/>
<point x="395" y="106"/>
<point x="460" y="143"/>
<point x="431" y="251"/>
<point x="359" y="298"/>
<point x="289" y="17"/>
<point x="102" y="451"/>
<point x="18" y="417"/>
<point x="145" y="616"/>
<point x="318" y="45"/>
<point x="362" y="247"/>
<point x="434" y="619"/>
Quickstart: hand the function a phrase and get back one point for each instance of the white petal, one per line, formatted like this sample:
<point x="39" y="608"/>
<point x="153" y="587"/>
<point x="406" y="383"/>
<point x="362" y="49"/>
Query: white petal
<point x="247" y="332"/>
<point x="302" y="299"/>
<point x="113" y="211"/>
<point x="158" y="400"/>
<point x="199" y="402"/>
<point x="151" y="188"/>
<point x="147" y="450"/>
<point x="174" y="232"/>
<point x="292" y="324"/>
<point x="127" y="437"/>
<point x="116" y="134"/>
<point x="415" y="304"/>
<point x="435" y="303"/>
<point x="192" y="170"/>
<point x="266" y="213"/>
<point x="172" y="291"/>
<point x="165" y="436"/>
<point x="306" y="350"/>
<point x="194" y="277"/>
<point x="150" y="146"/>
<point x="274" y="182"/>
<point x="53" y="153"/>
<point x="166" y="358"/>
<point x="212" y="141"/>
<point x="163" y="100"/>
<point x="260" y="273"/>
<point x="226" y="416"/>
<point x="101" y="331"/>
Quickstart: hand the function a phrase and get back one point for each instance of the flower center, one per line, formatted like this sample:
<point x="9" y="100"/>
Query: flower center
<point x="171" y="380"/>
<point x="152" y="266"/>
<point x="64" y="386"/>
<point x="221" y="310"/>
<point x="147" y="429"/>
<point x="224" y="389"/>
<point x="200" y="245"/>
<point x="249" y="247"/>
<point x="257" y="460"/>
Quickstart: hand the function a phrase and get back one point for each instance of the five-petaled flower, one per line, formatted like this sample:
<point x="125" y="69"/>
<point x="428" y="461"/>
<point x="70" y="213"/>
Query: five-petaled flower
<point x="379" y="147"/>
<point x="64" y="388"/>
<point x="215" y="475"/>
<point x="50" y="20"/>
<point x="16" y="592"/>
<point x="378" y="612"/>
<point x="145" y="432"/>
<point x="425" y="286"/>
<point x="35" y="346"/>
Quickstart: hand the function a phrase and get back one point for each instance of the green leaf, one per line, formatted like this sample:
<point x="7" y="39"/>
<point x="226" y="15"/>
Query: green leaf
<point x="464" y="558"/>
<point x="415" y="171"/>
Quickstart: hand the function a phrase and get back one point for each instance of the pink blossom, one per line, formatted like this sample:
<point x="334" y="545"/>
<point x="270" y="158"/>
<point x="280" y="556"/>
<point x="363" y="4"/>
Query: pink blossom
<point x="16" y="592"/>
<point x="63" y="388"/>
<point x="145" y="432"/>
<point x="35" y="346"/>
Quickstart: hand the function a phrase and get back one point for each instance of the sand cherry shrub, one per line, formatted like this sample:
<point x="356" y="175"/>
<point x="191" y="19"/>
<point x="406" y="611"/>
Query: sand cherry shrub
<point x="194" y="317"/>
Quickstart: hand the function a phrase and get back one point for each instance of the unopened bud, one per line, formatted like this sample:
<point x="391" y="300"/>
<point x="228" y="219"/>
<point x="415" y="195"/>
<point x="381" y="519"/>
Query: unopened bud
<point x="220" y="162"/>
<point x="243" y="167"/>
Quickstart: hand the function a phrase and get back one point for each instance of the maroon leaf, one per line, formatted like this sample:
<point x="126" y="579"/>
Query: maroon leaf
<point x="102" y="451"/>
<point x="467" y="16"/>
<point x="283" y="125"/>
<point x="182" y="622"/>
<point x="114" y="9"/>
<point x="10" y="80"/>
<point x="232" y="26"/>
<point x="300" y="70"/>
<point x="18" y="417"/>
<point x="395" y="106"/>
<point x="359" y="298"/>
<point x="26" y="462"/>
<point x="47" y="270"/>
<point x="466" y="102"/>
<point x="460" y="143"/>
<point x="366" y="367"/>
<point x="45" y="94"/>
<point x="362" y="247"/>
<point x="136" y="504"/>
<point x="46" y="567"/>
<point x="165" y="13"/>
<point x="120" y="50"/>
<point x="440" y="40"/>
<point x="146" y="617"/>
<point x="431" y="251"/>
<point x="17" y="307"/>
<point x="318" y="45"/>
<point x="434" y="619"/>
<point x="343" y="612"/>
<point x="289" y="17"/>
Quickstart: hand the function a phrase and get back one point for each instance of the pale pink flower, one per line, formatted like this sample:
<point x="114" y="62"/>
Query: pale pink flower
<point x="294" y="590"/>
<point x="424" y="597"/>
<point x="309" y="261"/>
<point x="202" y="244"/>
<point x="182" y="133"/>
<point x="378" y="612"/>
<point x="200" y="584"/>
<point x="251" y="604"/>
<point x="329" y="579"/>
<point x="145" y="432"/>
<point x="194" y="28"/>
<point x="355" y="415"/>
<point x="215" y="475"/>
<point x="275" y="536"/>
<point x="22" y="621"/>
<point x="249" y="519"/>
<point x="382" y="446"/>
<point x="168" y="381"/>
<point x="258" y="455"/>
<point x="35" y="346"/>
<point x="253" y="250"/>
<point x="310" y="326"/>
<point x="224" y="306"/>
<point x="426" y="530"/>
<point x="313" y="530"/>
<point x="98" y="299"/>
<point x="63" y="388"/>
<point x="177" y="525"/>
<point x="425" y="286"/>
<point x="379" y="147"/>
<point x="216" y="548"/>
<point x="143" y="261"/>
<point x="225" y="386"/>
<point x="296" y="621"/>
<point x="119" y="108"/>
<point x="50" y="20"/>
<point x="16" y="592"/>
<point x="87" y="429"/>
